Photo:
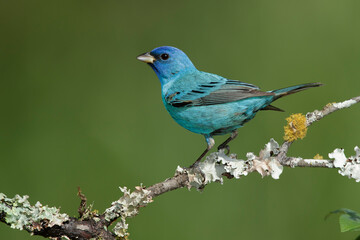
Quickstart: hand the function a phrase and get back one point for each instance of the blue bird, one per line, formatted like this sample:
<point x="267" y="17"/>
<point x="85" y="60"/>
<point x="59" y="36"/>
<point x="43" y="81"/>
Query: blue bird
<point x="207" y="103"/>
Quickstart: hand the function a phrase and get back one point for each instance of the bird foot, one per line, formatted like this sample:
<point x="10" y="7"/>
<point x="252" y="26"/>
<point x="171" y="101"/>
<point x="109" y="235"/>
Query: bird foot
<point x="226" y="147"/>
<point x="196" y="163"/>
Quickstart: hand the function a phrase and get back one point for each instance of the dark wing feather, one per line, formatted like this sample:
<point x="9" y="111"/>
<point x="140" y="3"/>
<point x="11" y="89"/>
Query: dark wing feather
<point x="230" y="91"/>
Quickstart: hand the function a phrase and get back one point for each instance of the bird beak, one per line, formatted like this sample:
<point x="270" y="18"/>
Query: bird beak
<point x="146" y="57"/>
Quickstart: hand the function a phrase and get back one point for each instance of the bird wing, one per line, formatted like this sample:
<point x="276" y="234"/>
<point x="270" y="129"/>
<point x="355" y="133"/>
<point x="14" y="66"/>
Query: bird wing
<point x="212" y="92"/>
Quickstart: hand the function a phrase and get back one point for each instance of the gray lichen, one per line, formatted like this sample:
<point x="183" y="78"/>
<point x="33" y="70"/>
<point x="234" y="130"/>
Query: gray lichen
<point x="127" y="206"/>
<point x="218" y="164"/>
<point x="19" y="213"/>
<point x="344" y="104"/>
<point x="349" y="167"/>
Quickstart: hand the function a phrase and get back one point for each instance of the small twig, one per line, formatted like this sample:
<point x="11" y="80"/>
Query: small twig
<point x="315" y="116"/>
<point x="330" y="108"/>
<point x="83" y="200"/>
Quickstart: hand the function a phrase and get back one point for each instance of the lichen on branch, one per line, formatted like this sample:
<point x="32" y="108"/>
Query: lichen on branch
<point x="127" y="206"/>
<point x="348" y="166"/>
<point x="20" y="214"/>
<point x="296" y="127"/>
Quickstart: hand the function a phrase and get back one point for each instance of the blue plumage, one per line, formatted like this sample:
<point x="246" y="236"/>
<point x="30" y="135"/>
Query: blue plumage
<point x="206" y="103"/>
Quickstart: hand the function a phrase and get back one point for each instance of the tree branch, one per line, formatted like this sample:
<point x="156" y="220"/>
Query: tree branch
<point x="48" y="222"/>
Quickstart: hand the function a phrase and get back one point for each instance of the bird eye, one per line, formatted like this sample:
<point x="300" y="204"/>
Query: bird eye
<point x="164" y="56"/>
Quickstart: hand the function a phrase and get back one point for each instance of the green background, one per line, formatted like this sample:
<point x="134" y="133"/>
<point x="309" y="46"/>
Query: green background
<point x="78" y="109"/>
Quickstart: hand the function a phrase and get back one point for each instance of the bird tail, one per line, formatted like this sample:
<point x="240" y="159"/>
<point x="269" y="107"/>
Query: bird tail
<point x="294" y="89"/>
<point x="287" y="91"/>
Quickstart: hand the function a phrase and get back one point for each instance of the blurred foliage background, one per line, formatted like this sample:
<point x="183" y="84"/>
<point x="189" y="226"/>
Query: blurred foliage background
<point x="78" y="109"/>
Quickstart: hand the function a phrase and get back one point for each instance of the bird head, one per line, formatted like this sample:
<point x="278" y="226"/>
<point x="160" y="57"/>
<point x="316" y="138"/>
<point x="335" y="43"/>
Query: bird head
<point x="168" y="63"/>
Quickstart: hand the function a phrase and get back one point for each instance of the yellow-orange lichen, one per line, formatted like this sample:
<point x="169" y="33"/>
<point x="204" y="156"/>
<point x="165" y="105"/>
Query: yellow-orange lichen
<point x="318" y="156"/>
<point x="295" y="128"/>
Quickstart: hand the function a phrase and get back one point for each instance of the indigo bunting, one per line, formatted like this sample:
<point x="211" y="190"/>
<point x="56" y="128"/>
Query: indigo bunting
<point x="207" y="103"/>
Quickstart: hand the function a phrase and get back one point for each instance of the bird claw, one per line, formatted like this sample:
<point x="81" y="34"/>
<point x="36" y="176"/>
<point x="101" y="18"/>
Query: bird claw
<point x="226" y="147"/>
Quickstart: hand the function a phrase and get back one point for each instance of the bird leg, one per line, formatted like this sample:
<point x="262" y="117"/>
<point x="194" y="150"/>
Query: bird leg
<point x="229" y="139"/>
<point x="210" y="143"/>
